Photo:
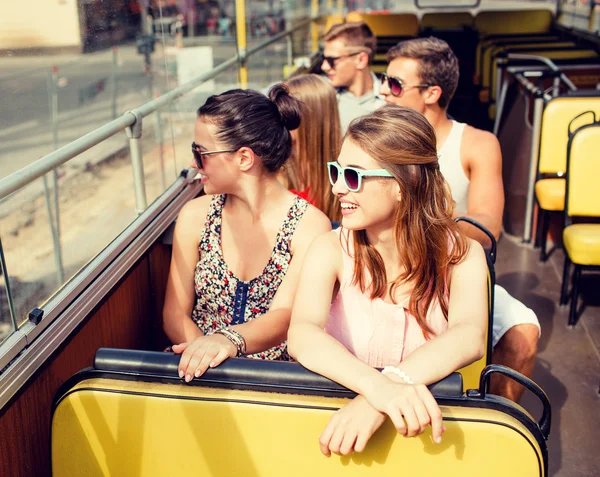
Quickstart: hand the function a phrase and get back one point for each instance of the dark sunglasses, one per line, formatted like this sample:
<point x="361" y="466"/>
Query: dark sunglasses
<point x="198" y="154"/>
<point x="396" y="86"/>
<point x="352" y="176"/>
<point x="332" y="59"/>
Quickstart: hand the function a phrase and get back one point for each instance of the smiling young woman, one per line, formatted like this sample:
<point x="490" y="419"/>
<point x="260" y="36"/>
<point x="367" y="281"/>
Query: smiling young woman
<point x="387" y="289"/>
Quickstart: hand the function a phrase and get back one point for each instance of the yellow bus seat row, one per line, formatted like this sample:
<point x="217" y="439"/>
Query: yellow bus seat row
<point x="131" y="415"/>
<point x="559" y="56"/>
<point x="390" y="28"/>
<point x="491" y="54"/>
<point x="505" y="22"/>
<point x="581" y="240"/>
<point x="487" y="23"/>
<point x="556" y="54"/>
<point x="561" y="115"/>
<point x="503" y="40"/>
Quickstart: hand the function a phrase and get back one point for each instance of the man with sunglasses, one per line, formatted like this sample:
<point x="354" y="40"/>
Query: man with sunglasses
<point x="347" y="56"/>
<point x="423" y="75"/>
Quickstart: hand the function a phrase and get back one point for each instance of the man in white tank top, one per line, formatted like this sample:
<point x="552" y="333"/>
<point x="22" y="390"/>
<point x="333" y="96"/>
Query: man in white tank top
<point x="423" y="75"/>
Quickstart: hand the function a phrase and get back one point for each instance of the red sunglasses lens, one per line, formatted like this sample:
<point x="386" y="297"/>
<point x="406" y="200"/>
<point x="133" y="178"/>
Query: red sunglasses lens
<point x="395" y="86"/>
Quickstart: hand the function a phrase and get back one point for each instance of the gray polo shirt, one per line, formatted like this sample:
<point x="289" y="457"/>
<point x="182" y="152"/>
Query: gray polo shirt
<point x="352" y="107"/>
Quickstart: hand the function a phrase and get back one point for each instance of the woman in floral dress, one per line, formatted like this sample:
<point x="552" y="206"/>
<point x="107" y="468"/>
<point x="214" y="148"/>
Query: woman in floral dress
<point x="237" y="251"/>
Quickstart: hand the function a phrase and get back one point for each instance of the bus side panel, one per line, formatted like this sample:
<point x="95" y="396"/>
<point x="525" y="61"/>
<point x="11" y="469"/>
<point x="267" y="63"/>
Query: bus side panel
<point x="124" y="320"/>
<point x="152" y="430"/>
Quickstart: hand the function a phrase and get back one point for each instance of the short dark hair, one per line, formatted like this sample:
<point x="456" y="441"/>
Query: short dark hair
<point x="251" y="119"/>
<point x="438" y="65"/>
<point x="354" y="34"/>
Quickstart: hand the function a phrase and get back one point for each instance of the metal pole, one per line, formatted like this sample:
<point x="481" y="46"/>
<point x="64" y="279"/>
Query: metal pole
<point x="501" y="64"/>
<point x="11" y="305"/>
<point x="538" y="109"/>
<point x="191" y="19"/>
<point x="149" y="28"/>
<point x="500" y="105"/>
<point x="240" y="30"/>
<point x="290" y="54"/>
<point x="160" y="140"/>
<point x="134" y="132"/>
<point x="113" y="81"/>
<point x="556" y="87"/>
<point x="52" y="203"/>
<point x="315" y="26"/>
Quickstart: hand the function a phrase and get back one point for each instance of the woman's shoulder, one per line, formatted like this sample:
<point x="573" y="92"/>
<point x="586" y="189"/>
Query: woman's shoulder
<point x="474" y="258"/>
<point x="312" y="224"/>
<point x="196" y="210"/>
<point x="326" y="249"/>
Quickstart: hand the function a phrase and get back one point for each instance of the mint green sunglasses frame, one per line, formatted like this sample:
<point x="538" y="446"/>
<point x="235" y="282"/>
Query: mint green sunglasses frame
<point x="360" y="173"/>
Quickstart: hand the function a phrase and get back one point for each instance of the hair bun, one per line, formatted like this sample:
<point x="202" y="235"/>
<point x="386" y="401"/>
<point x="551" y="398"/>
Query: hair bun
<point x="289" y="107"/>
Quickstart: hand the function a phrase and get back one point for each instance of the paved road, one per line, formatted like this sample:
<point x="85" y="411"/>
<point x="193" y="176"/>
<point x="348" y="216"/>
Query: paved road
<point x="85" y="101"/>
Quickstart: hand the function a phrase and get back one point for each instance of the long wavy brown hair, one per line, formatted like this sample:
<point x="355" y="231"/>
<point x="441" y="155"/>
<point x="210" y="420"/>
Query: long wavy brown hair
<point x="317" y="141"/>
<point x="429" y="242"/>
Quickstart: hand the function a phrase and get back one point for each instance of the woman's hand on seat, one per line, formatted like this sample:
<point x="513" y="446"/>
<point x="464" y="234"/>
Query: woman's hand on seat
<point x="350" y="428"/>
<point x="411" y="407"/>
<point x="201" y="353"/>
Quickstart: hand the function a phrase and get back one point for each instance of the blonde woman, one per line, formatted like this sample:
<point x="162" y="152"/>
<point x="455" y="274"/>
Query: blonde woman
<point x="315" y="143"/>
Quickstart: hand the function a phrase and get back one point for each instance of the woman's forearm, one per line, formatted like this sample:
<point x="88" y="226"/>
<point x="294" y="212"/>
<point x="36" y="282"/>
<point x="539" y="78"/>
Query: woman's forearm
<point x="319" y="352"/>
<point x="458" y="346"/>
<point x="180" y="328"/>
<point x="265" y="331"/>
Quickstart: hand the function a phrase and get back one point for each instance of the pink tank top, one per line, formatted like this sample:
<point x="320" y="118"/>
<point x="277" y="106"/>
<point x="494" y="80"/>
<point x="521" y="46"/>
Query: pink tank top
<point x="378" y="333"/>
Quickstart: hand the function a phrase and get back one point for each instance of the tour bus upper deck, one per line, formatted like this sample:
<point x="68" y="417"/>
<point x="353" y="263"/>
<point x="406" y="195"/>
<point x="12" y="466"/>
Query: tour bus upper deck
<point x="85" y="230"/>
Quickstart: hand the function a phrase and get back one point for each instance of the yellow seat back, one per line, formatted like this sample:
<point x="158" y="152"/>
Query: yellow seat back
<point x="557" y="115"/>
<point x="395" y="24"/>
<point x="513" y="22"/>
<point x="154" y="425"/>
<point x="472" y="372"/>
<point x="447" y="20"/>
<point x="583" y="196"/>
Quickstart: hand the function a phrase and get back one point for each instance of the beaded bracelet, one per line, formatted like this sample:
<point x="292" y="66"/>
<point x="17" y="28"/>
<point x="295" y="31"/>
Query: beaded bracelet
<point x="398" y="372"/>
<point x="238" y="340"/>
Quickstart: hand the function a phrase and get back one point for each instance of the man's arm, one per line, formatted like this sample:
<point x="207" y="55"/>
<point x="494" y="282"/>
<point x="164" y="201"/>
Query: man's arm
<point x="485" y="203"/>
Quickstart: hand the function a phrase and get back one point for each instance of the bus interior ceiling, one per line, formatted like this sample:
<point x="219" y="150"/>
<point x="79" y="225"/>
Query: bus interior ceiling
<point x="568" y="358"/>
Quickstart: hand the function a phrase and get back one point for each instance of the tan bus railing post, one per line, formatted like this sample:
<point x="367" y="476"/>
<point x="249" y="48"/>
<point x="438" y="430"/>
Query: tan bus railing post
<point x="134" y="133"/>
<point x="242" y="45"/>
<point x="9" y="298"/>
<point x="52" y="207"/>
<point x="315" y="26"/>
<point x="538" y="109"/>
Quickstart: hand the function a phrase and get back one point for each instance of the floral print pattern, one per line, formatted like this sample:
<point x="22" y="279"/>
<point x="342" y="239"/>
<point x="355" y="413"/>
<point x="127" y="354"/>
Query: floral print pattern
<point x="217" y="287"/>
